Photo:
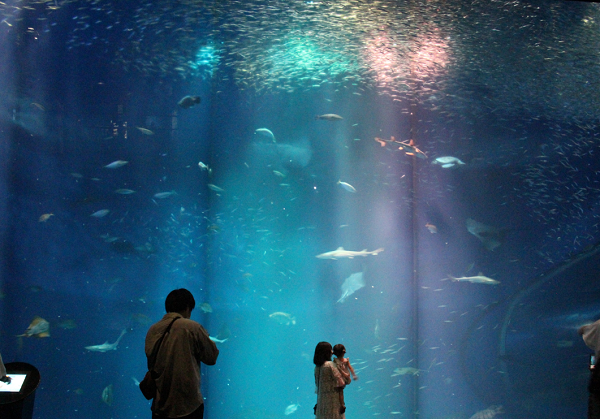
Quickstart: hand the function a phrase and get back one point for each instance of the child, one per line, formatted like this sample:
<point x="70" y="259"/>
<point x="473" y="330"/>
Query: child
<point x="343" y="365"/>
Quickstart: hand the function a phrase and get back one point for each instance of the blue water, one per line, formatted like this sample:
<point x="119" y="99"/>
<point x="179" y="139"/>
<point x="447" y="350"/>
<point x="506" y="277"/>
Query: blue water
<point x="79" y="80"/>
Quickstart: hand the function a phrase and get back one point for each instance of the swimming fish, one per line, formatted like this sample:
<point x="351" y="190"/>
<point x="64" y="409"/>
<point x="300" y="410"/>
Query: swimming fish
<point x="347" y="186"/>
<point x="291" y="409"/>
<point x="410" y="149"/>
<point x="265" y="132"/>
<point x="447" y="161"/>
<point x="351" y="284"/>
<point x="100" y="213"/>
<point x="163" y="195"/>
<point x="381" y="141"/>
<point x="329" y="117"/>
<point x="145" y="131"/>
<point x="44" y="217"/>
<point x="377" y="330"/>
<point x="406" y="371"/>
<point x="432" y="229"/>
<point x="107" y="394"/>
<point x="341" y="253"/>
<point x="206" y="308"/>
<point x="189" y="101"/>
<point x="106" y="346"/>
<point x="218" y="340"/>
<point x="124" y="191"/>
<point x="491" y="237"/>
<point x="39" y="328"/>
<point x="283" y="318"/>
<point x="478" y="279"/>
<point x="116" y="164"/>
<point x="488" y="413"/>
<point x="203" y="166"/>
<point x="215" y="188"/>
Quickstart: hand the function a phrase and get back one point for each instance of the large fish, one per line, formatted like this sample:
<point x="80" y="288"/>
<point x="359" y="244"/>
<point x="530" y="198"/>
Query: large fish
<point x="478" y="279"/>
<point x="447" y="161"/>
<point x="488" y="413"/>
<point x="106" y="346"/>
<point x="351" y="284"/>
<point x="189" y="101"/>
<point x="341" y="253"/>
<point x="39" y="328"/>
<point x="282" y="156"/>
<point x="491" y="237"/>
<point x="283" y="318"/>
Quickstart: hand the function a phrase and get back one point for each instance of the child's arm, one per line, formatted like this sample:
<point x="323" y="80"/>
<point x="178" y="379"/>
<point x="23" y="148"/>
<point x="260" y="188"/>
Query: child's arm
<point x="354" y="376"/>
<point x="345" y="374"/>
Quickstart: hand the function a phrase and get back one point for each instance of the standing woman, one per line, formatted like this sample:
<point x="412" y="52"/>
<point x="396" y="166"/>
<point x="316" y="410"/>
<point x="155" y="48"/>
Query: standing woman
<point x="330" y="385"/>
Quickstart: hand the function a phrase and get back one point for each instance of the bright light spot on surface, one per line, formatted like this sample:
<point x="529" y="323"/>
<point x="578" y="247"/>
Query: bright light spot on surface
<point x="206" y="61"/>
<point x="430" y="57"/>
<point x="382" y="54"/>
<point x="304" y="57"/>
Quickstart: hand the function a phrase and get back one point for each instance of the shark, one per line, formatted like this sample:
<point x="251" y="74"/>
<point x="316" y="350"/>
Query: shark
<point x="341" y="253"/>
<point x="479" y="279"/>
<point x="106" y="346"/>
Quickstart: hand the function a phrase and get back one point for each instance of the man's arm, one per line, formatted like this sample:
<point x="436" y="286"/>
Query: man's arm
<point x="208" y="349"/>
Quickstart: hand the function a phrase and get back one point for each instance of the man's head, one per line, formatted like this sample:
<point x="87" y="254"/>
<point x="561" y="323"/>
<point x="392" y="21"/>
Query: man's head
<point x="178" y="301"/>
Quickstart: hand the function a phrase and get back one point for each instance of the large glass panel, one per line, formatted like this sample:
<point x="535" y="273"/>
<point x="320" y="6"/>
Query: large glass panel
<point x="415" y="180"/>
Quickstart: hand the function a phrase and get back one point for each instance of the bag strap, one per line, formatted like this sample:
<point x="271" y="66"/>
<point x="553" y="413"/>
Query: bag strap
<point x="152" y="357"/>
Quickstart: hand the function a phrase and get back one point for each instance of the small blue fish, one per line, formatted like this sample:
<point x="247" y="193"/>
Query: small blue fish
<point x="101" y="213"/>
<point x="116" y="164"/>
<point x="347" y="186"/>
<point x="215" y="188"/>
<point x="163" y="195"/>
<point x="124" y="191"/>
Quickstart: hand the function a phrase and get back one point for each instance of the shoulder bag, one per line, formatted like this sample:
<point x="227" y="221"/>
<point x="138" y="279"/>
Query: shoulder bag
<point x="148" y="385"/>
